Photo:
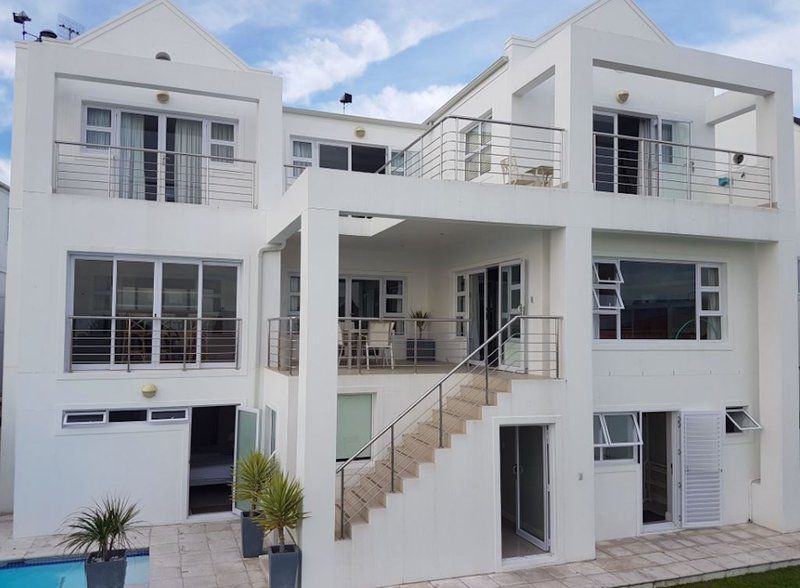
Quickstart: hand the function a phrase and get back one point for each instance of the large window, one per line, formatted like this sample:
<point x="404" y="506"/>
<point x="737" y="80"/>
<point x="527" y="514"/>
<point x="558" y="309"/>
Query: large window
<point x="657" y="300"/>
<point x="478" y="148"/>
<point x="335" y="155"/>
<point x="353" y="425"/>
<point x="361" y="297"/>
<point x="129" y="311"/>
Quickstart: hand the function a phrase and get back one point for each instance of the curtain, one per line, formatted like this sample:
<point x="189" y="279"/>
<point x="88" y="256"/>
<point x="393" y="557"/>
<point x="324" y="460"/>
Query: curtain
<point x="648" y="160"/>
<point x="188" y="168"/>
<point x="131" y="160"/>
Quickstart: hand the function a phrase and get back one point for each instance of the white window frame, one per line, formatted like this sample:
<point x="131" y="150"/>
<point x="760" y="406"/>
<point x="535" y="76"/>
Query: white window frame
<point x="313" y="161"/>
<point x="608" y="444"/>
<point x="368" y="452"/>
<point x="158" y="265"/>
<point x="462" y="294"/>
<point x="212" y="141"/>
<point x="299" y="161"/>
<point x="86" y="127"/>
<point x="721" y="312"/>
<point x="482" y="152"/>
<point x="158" y="421"/>
<point x="294" y="294"/>
<point x="67" y="413"/>
<point x="739" y="429"/>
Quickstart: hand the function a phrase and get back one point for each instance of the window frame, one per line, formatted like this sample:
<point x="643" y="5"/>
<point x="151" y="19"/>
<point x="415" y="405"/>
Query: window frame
<point x="86" y="127"/>
<point x="315" y="142"/>
<point x="67" y="413"/>
<point x="183" y="419"/>
<point x="158" y="263"/>
<point x="482" y="154"/>
<point x="212" y="141"/>
<point x="372" y="397"/>
<point x="599" y="448"/>
<point x="738" y="428"/>
<point x="720" y="290"/>
<point x="462" y="293"/>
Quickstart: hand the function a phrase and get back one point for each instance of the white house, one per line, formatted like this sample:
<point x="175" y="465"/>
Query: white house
<point x="562" y="309"/>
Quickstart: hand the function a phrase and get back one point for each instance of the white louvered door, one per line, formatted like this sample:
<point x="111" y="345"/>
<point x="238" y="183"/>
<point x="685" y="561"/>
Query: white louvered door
<point x="701" y="457"/>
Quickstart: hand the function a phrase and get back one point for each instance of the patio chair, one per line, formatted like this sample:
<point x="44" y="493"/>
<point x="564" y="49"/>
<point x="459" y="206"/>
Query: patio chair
<point x="513" y="175"/>
<point x="345" y="338"/>
<point x="379" y="338"/>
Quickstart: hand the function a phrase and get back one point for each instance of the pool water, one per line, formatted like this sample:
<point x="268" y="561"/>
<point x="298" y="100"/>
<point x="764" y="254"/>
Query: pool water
<point x="64" y="573"/>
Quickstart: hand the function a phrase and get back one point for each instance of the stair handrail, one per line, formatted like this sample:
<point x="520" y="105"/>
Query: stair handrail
<point x="439" y="383"/>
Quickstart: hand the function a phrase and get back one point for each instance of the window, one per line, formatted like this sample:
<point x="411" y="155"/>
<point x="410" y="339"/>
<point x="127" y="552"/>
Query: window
<point x="132" y="415"/>
<point x="301" y="156"/>
<point x="294" y="295"/>
<point x="656" y="300"/>
<point x="98" y="126"/>
<point x="478" y="148"/>
<point x="353" y="425"/>
<point x="738" y="420"/>
<point x="127" y="416"/>
<point x="222" y="141"/>
<point x="72" y="418"/>
<point x="158" y="312"/>
<point x="461" y="305"/>
<point x="343" y="156"/>
<point x="168" y="415"/>
<point x="270" y="423"/>
<point x="674" y="132"/>
<point x="616" y="436"/>
<point x="334" y="156"/>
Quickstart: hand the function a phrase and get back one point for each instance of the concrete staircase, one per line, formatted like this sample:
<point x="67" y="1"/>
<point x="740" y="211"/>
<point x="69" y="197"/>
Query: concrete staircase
<point x="368" y="485"/>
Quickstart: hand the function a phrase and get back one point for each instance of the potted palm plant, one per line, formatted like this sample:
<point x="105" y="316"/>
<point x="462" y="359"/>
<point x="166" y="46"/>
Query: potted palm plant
<point x="101" y="533"/>
<point x="418" y="348"/>
<point x="250" y="478"/>
<point x="280" y="507"/>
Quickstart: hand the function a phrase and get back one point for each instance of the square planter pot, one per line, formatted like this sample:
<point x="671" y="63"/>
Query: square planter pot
<point x="425" y="348"/>
<point x="284" y="568"/>
<point x="252" y="537"/>
<point x="106" y="574"/>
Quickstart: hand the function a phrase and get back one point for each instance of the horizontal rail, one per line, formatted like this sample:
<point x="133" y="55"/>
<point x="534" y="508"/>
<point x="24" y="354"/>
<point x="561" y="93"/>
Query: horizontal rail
<point x="126" y="342"/>
<point x="652" y="167"/>
<point x="136" y="173"/>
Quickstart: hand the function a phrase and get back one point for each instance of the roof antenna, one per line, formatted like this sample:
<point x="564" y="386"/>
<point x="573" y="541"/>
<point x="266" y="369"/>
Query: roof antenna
<point x="22" y="18"/>
<point x="68" y="27"/>
<point x="345" y="100"/>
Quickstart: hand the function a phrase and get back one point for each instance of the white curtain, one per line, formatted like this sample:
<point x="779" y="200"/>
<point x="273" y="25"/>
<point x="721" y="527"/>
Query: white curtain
<point x="131" y="157"/>
<point x="648" y="160"/>
<point x="188" y="168"/>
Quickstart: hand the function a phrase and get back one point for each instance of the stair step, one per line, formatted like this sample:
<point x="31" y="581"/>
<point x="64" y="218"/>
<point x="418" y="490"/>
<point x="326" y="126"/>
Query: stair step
<point x="452" y="423"/>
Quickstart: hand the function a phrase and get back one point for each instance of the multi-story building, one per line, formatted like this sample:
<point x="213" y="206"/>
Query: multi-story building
<point x="560" y="310"/>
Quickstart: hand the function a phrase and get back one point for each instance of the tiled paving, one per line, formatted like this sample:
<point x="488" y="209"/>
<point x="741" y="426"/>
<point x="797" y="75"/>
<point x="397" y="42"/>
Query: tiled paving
<point x="665" y="559"/>
<point x="198" y="555"/>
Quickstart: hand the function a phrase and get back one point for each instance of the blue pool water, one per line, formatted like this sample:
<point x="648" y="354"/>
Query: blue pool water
<point x="64" y="573"/>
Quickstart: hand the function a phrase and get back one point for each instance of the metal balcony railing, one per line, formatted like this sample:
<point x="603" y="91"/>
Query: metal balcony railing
<point x="525" y="345"/>
<point x="140" y="342"/>
<point x="148" y="174"/>
<point x="649" y="167"/>
<point x="483" y="150"/>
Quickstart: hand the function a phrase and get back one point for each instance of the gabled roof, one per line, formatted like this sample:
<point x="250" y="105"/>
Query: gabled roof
<point x="143" y="32"/>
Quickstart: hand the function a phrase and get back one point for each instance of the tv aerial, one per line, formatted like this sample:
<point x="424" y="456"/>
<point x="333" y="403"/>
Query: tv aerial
<point x="67" y="28"/>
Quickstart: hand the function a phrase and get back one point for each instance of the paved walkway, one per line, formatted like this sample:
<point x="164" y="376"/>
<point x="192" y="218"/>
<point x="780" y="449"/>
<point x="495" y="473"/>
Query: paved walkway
<point x="198" y="555"/>
<point x="665" y="559"/>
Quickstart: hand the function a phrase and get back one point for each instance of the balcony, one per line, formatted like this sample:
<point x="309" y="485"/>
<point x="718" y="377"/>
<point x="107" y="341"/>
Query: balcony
<point x="140" y="342"/>
<point x="430" y="345"/>
<point x="648" y="167"/>
<point x="147" y="174"/>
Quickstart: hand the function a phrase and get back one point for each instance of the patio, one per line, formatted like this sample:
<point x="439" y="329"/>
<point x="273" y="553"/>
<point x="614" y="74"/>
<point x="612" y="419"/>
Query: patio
<point x="665" y="559"/>
<point x="197" y="555"/>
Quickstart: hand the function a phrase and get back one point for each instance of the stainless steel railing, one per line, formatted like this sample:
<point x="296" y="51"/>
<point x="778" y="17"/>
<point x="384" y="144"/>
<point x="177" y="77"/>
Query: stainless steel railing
<point x="137" y="342"/>
<point x="368" y="343"/>
<point x="484" y="150"/>
<point x="148" y="174"/>
<point x="525" y="344"/>
<point x="648" y="167"/>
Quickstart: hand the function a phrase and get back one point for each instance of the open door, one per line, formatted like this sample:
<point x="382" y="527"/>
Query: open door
<point x="246" y="439"/>
<point x="512" y="297"/>
<point x="533" y="486"/>
<point x="701" y="456"/>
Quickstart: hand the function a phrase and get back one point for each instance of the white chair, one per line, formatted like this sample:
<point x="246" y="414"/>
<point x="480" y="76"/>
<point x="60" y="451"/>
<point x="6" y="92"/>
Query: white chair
<point x="513" y="175"/>
<point x="379" y="338"/>
<point x="345" y="334"/>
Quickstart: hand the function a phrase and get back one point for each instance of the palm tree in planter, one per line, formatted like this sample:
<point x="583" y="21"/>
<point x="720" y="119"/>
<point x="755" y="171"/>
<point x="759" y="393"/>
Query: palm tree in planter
<point x="251" y="476"/>
<point x="280" y="507"/>
<point x="101" y="533"/>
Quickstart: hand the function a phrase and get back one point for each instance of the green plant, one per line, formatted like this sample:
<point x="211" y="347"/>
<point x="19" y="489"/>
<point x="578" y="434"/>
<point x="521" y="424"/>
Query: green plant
<point x="101" y="529"/>
<point x="251" y="476"/>
<point x="421" y="321"/>
<point x="280" y="506"/>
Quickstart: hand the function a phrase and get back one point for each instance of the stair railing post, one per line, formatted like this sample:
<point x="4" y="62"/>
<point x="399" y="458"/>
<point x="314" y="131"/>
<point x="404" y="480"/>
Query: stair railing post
<point x="341" y="504"/>
<point x="486" y="375"/>
<point x="391" y="433"/>
<point x="441" y="419"/>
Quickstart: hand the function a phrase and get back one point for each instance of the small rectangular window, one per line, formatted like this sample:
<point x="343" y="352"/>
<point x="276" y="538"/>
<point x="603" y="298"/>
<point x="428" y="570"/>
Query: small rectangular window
<point x="616" y="436"/>
<point x="294" y="294"/>
<point x="607" y="272"/>
<point x="270" y="422"/>
<point x="97" y="417"/>
<point x="98" y="126"/>
<point x="127" y="416"/>
<point x="169" y="415"/>
<point x="222" y="141"/>
<point x="353" y="425"/>
<point x="738" y="420"/>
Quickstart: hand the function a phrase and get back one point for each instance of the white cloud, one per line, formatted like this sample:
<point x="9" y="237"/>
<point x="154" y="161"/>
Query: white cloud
<point x="770" y="39"/>
<point x="394" y="104"/>
<point x="5" y="170"/>
<point x="221" y="16"/>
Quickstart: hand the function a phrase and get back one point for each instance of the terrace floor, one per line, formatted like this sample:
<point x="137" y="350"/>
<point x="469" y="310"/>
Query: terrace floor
<point x="664" y="559"/>
<point x="197" y="555"/>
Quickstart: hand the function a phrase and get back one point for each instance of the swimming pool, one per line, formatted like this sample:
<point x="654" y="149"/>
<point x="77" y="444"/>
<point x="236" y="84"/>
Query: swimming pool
<point x="61" y="572"/>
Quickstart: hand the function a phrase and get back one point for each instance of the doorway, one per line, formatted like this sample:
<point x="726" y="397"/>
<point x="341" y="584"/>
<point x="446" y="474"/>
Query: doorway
<point x="211" y="458"/>
<point x="659" y="458"/>
<point x="524" y="490"/>
<point x="624" y="165"/>
<point x="495" y="296"/>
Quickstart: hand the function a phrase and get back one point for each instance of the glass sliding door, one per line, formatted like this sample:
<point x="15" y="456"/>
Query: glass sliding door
<point x="511" y="305"/>
<point x="365" y="298"/>
<point x="477" y="311"/>
<point x="219" y="325"/>
<point x="93" y="288"/>
<point x="532" y="486"/>
<point x="133" y="342"/>
<point x="137" y="160"/>
<point x="184" y="161"/>
<point x="179" y="303"/>
<point x="246" y="441"/>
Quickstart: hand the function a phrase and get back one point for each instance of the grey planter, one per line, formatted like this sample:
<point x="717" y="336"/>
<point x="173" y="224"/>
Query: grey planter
<point x="106" y="574"/>
<point x="252" y="537"/>
<point x="284" y="568"/>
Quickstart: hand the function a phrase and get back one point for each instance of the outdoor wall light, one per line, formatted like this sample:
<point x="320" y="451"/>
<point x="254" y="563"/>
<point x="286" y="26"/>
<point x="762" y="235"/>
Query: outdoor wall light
<point x="149" y="390"/>
<point x="360" y="132"/>
<point x="162" y="97"/>
<point x="622" y="96"/>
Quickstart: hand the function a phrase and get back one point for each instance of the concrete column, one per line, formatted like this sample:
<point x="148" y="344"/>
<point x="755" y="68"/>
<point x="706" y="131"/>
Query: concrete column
<point x="775" y="498"/>
<point x="573" y="111"/>
<point x="316" y="410"/>
<point x="570" y="297"/>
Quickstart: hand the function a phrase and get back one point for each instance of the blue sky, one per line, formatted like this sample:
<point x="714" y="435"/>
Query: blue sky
<point x="403" y="58"/>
